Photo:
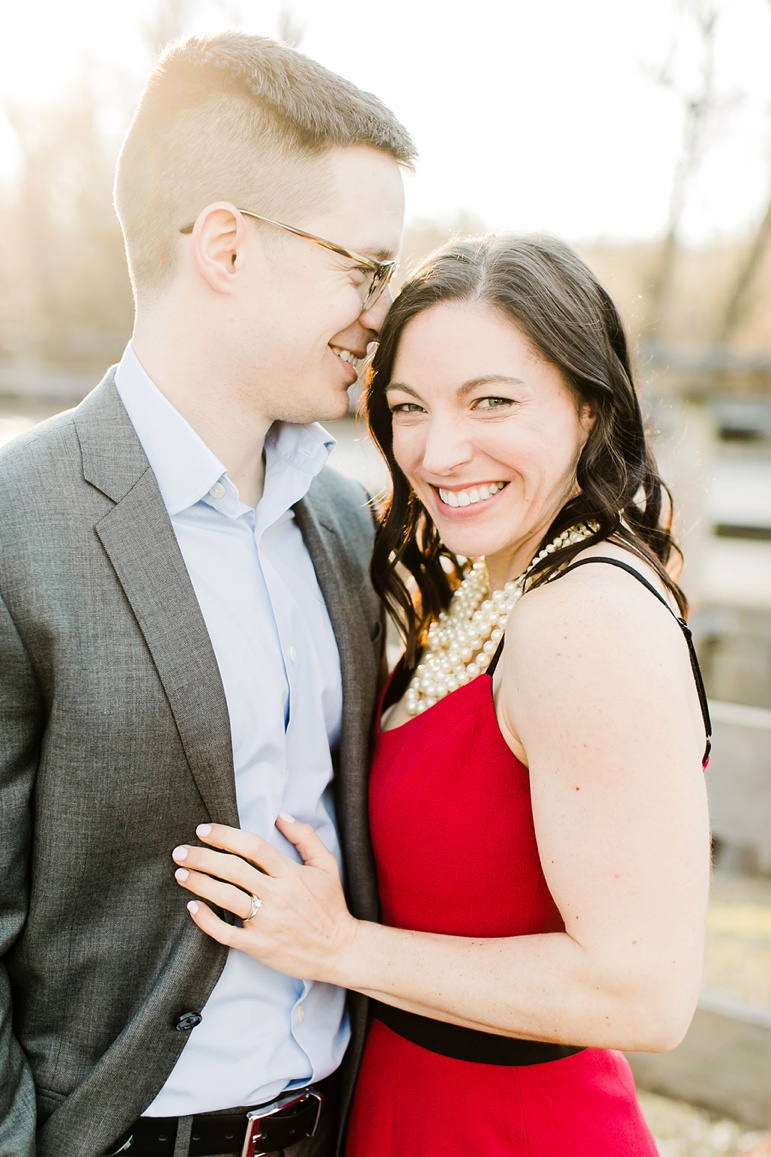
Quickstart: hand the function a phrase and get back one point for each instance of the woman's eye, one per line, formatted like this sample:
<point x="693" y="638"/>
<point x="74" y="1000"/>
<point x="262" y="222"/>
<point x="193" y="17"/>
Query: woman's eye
<point x="405" y="408"/>
<point x="491" y="403"/>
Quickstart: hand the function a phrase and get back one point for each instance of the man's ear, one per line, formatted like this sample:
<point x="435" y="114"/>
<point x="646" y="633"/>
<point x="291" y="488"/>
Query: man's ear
<point x="217" y="239"/>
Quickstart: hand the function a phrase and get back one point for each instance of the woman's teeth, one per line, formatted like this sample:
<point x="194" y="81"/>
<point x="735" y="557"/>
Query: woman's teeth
<point x="469" y="497"/>
<point x="346" y="356"/>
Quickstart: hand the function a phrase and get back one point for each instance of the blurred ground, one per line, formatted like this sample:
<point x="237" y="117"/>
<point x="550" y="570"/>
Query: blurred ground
<point x="684" y="1131"/>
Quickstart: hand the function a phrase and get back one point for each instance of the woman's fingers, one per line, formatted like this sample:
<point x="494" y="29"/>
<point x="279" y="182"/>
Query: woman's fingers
<point x="218" y="892"/>
<point x="232" y="869"/>
<point x="249" y="846"/>
<point x="212" y="925"/>
<point x="314" y="853"/>
<point x="302" y="926"/>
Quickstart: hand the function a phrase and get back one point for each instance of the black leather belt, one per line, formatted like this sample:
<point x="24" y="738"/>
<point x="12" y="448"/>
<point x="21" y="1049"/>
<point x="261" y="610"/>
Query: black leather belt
<point x="468" y="1044"/>
<point x="250" y="1132"/>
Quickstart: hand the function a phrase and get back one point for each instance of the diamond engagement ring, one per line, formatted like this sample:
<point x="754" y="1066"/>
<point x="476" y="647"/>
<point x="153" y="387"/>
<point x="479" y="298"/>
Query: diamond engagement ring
<point x="256" y="905"/>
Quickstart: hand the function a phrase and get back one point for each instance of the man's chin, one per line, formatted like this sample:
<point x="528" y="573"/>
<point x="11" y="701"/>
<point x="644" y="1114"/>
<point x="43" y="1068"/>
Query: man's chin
<point x="335" y="411"/>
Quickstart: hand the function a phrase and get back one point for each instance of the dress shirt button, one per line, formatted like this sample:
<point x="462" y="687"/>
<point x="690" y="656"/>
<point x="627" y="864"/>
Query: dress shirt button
<point x="301" y="1013"/>
<point x="217" y="490"/>
<point x="293" y="654"/>
<point x="187" y="1021"/>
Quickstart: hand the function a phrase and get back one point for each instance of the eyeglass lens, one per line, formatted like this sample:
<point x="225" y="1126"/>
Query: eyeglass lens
<point x="380" y="279"/>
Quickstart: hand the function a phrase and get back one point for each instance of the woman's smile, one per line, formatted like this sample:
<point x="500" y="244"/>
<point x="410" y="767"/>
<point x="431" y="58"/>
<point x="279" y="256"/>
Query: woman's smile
<point x="468" y="496"/>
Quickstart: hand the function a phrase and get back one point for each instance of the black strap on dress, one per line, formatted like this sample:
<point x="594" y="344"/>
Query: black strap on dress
<point x="680" y="622"/>
<point x="498" y="652"/>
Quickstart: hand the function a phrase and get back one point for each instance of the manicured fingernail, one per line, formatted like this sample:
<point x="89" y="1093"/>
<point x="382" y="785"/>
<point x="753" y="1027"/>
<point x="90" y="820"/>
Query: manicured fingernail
<point x="179" y="854"/>
<point x="286" y="816"/>
<point x="203" y="830"/>
<point x="192" y="907"/>
<point x="181" y="874"/>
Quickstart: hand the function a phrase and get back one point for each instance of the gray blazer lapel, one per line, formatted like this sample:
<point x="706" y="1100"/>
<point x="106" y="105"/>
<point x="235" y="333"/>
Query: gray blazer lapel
<point x="140" y="542"/>
<point x="340" y="550"/>
<point x="341" y="557"/>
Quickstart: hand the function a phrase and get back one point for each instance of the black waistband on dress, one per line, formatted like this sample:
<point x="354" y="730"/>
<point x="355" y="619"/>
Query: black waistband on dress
<point x="468" y="1044"/>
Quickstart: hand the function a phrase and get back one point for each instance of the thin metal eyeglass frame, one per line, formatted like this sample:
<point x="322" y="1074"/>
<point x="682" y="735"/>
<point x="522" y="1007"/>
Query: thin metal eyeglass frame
<point x="382" y="271"/>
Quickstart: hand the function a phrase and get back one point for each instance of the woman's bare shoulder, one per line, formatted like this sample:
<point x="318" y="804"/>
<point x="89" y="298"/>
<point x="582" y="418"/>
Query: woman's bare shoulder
<point x="595" y="599"/>
<point x="595" y="644"/>
<point x="587" y="631"/>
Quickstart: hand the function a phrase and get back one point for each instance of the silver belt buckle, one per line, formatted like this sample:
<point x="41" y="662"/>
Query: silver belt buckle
<point x="256" y="1116"/>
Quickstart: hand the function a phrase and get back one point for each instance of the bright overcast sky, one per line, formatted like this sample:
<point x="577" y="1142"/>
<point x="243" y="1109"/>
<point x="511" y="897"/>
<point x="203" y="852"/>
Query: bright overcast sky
<point x="527" y="115"/>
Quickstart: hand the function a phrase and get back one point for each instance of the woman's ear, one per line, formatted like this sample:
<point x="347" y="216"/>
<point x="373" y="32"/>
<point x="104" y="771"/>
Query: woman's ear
<point x="587" y="416"/>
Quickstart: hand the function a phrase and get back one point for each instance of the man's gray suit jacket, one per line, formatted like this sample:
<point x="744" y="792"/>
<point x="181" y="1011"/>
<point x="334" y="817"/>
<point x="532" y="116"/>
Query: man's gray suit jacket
<point x="114" y="744"/>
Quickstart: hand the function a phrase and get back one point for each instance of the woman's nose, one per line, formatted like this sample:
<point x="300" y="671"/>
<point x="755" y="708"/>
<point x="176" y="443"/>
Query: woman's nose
<point x="447" y="447"/>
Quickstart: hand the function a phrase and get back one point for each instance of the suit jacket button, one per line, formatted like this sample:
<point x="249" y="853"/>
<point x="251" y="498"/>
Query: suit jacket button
<point x="187" y="1021"/>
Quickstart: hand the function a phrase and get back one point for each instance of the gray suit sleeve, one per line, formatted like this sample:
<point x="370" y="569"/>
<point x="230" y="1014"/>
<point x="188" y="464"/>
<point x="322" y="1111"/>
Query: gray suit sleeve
<point x="20" y="712"/>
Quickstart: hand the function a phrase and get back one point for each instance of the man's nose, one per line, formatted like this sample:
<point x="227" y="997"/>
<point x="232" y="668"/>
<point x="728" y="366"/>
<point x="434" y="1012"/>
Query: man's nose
<point x="374" y="315"/>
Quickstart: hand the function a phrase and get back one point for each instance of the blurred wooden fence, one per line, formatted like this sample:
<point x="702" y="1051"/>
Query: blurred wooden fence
<point x="724" y="1063"/>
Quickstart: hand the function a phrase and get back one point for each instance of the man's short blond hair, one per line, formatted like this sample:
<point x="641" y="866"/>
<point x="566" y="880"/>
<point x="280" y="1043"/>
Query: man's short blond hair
<point x="238" y="118"/>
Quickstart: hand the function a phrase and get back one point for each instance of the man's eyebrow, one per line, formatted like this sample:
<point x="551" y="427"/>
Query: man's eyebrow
<point x="376" y="254"/>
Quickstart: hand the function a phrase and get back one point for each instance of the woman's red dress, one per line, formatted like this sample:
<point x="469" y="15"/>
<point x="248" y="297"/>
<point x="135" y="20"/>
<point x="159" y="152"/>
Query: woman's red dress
<point x="456" y="853"/>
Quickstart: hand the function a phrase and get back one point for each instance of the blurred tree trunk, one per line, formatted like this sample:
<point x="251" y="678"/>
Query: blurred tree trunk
<point x="69" y="268"/>
<point x="290" y="29"/>
<point x="740" y="297"/>
<point x="698" y="109"/>
<point x="166" y="23"/>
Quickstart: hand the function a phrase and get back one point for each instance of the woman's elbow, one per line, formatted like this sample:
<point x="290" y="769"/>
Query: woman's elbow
<point x="660" y="1037"/>
<point x="651" y="1009"/>
<point x="659" y="1020"/>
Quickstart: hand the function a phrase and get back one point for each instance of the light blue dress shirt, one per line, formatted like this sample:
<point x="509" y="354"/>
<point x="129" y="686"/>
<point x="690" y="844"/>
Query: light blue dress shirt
<point x="280" y="668"/>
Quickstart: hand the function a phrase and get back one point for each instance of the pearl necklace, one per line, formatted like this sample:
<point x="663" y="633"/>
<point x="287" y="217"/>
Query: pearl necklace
<point x="462" y="641"/>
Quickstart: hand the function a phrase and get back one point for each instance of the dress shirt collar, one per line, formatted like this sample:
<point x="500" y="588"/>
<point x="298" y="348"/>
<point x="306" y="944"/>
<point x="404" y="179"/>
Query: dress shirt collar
<point x="184" y="466"/>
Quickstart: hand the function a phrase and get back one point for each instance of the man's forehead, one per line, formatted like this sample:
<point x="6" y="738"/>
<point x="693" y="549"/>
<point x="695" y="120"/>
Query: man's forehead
<point x="364" y="201"/>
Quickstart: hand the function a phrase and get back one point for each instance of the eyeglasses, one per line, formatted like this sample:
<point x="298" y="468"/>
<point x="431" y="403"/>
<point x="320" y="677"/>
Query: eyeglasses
<point x="381" y="271"/>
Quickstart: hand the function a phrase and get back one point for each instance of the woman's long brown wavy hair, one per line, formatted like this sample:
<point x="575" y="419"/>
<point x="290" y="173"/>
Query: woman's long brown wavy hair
<point x="547" y="293"/>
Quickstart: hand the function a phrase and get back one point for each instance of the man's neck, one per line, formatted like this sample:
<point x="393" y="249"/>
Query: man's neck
<point x="196" y="391"/>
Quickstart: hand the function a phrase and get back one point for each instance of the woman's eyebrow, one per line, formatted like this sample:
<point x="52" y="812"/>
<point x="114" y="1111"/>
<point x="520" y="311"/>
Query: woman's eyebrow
<point x="488" y="379"/>
<point x="400" y="386"/>
<point x="465" y="387"/>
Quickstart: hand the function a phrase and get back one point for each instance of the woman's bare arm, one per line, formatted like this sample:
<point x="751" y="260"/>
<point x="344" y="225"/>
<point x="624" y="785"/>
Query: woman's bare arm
<point x="596" y="694"/>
